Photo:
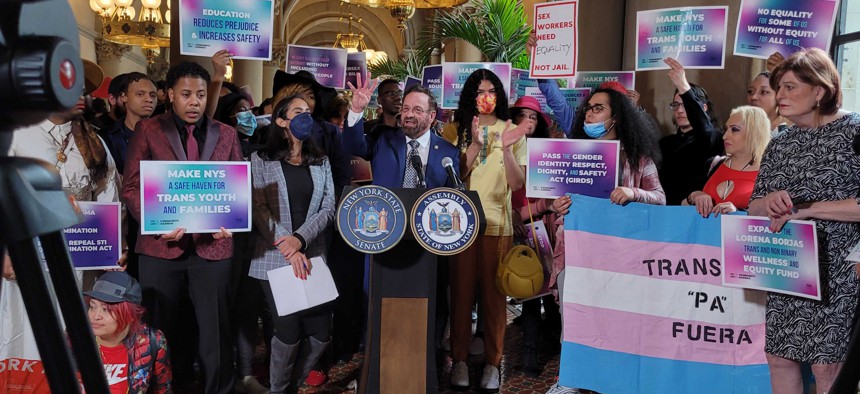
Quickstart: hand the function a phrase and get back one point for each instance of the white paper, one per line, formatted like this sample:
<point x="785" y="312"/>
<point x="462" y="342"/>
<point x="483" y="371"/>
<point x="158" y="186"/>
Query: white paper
<point x="294" y="294"/>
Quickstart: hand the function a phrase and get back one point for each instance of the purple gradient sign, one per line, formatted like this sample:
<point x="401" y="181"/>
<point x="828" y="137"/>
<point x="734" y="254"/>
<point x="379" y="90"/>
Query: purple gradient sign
<point x="784" y="262"/>
<point x="356" y="63"/>
<point x="519" y="82"/>
<point x="784" y="26"/>
<point x="95" y="243"/>
<point x="575" y="96"/>
<point x="558" y="167"/>
<point x="201" y="197"/>
<point x="328" y="65"/>
<point x="411" y="81"/>
<point x="538" y="239"/>
<point x="431" y="79"/>
<point x="455" y="74"/>
<point x="593" y="79"/>
<point x="696" y="37"/>
<point x="242" y="27"/>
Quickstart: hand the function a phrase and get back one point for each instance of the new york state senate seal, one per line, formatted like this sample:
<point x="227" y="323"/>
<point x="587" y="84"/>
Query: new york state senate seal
<point x="371" y="219"/>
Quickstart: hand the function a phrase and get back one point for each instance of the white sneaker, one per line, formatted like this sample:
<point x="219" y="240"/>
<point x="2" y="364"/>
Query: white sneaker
<point x="460" y="376"/>
<point x="250" y="384"/>
<point x="476" y="347"/>
<point x="491" y="380"/>
<point x="557" y="389"/>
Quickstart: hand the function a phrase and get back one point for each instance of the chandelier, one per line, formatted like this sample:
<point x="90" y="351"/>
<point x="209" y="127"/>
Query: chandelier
<point x="354" y="42"/>
<point x="402" y="10"/>
<point x="148" y="31"/>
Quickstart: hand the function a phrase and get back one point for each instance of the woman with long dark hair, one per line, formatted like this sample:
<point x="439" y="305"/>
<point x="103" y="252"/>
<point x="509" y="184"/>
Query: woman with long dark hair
<point x="293" y="197"/>
<point x="492" y="160"/>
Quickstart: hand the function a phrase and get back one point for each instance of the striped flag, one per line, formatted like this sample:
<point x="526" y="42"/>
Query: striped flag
<point x="644" y="309"/>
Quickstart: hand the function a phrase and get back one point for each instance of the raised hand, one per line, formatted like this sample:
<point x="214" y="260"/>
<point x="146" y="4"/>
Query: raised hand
<point x="677" y="75"/>
<point x="220" y="61"/>
<point x="361" y="92"/>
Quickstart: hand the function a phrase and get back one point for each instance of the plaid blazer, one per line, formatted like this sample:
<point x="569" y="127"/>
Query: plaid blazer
<point x="271" y="212"/>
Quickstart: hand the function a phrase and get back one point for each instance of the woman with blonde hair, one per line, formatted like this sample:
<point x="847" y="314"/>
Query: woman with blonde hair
<point x="731" y="178"/>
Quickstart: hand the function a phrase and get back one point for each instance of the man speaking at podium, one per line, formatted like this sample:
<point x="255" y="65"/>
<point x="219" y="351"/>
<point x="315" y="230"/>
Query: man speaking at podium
<point x="394" y="155"/>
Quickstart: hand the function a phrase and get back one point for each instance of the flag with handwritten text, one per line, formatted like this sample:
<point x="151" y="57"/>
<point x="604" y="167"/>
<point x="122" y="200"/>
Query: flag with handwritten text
<point x="644" y="307"/>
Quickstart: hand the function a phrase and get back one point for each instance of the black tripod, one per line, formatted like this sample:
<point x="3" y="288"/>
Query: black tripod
<point x="33" y="212"/>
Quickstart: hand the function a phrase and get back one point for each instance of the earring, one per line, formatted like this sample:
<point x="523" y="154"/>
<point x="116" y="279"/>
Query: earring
<point x="817" y="103"/>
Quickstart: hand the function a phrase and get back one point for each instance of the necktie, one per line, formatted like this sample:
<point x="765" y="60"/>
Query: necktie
<point x="410" y="177"/>
<point x="192" y="151"/>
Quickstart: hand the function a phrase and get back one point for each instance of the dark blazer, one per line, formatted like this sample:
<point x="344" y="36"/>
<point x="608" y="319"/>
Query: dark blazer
<point x="386" y="152"/>
<point x="158" y="139"/>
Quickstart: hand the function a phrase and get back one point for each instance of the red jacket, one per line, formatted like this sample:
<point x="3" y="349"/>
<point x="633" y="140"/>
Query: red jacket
<point x="158" y="139"/>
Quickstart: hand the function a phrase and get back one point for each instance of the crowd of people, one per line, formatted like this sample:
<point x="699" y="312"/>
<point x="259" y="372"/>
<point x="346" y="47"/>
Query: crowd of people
<point x="785" y="155"/>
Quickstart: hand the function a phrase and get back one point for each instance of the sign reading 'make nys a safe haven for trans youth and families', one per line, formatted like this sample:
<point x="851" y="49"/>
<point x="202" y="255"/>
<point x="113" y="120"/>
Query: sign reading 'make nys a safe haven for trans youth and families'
<point x="558" y="167"/>
<point x="328" y="65"/>
<point x="200" y="197"/>
<point x="784" y="262"/>
<point x="696" y="37"/>
<point x="784" y="26"/>
<point x="242" y="27"/>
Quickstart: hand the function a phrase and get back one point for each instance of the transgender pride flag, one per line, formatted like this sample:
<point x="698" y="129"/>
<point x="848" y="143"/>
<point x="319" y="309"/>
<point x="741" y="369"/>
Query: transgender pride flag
<point x="644" y="309"/>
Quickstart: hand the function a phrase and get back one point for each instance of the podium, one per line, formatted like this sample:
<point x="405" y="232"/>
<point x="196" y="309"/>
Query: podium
<point x="400" y="353"/>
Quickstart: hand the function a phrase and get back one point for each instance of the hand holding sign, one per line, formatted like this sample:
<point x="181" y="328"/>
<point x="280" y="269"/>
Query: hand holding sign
<point x="223" y="234"/>
<point x="362" y="92"/>
<point x="175" y="235"/>
<point x="220" y="61"/>
<point x="774" y="60"/>
<point x="677" y="75"/>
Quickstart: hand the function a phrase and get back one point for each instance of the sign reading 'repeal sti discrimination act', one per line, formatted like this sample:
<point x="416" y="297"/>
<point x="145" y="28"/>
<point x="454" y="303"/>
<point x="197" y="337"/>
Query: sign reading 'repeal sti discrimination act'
<point x="200" y="197"/>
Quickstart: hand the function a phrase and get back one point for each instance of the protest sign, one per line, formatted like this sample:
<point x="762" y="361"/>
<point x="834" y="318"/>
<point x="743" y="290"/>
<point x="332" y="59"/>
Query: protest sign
<point x="536" y="93"/>
<point x="455" y="74"/>
<point x="200" y="197"/>
<point x="784" y="26"/>
<point x="784" y="262"/>
<point x="95" y="243"/>
<point x="411" y="81"/>
<point x="696" y="37"/>
<point x="431" y="78"/>
<point x="558" y="166"/>
<point x="576" y="96"/>
<point x="593" y="79"/>
<point x="554" y="55"/>
<point x="519" y="82"/>
<point x="328" y="65"/>
<point x="356" y="64"/>
<point x="244" y="28"/>
<point x="644" y="307"/>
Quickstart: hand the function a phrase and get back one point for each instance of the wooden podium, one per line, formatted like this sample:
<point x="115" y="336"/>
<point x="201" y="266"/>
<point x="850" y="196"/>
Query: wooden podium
<point x="400" y="353"/>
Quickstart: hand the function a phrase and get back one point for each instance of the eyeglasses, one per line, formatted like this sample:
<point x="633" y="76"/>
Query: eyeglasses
<point x="596" y="108"/>
<point x="675" y="105"/>
<point x="417" y="110"/>
<point x="393" y="93"/>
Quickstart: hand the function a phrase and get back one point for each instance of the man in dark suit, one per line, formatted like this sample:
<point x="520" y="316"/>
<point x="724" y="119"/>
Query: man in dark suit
<point x="175" y="264"/>
<point x="390" y="152"/>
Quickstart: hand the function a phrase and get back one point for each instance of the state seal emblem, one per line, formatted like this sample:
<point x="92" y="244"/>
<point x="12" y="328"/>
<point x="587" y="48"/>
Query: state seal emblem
<point x="444" y="221"/>
<point x="371" y="219"/>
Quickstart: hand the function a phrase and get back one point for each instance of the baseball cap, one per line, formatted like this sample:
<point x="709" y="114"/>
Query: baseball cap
<point x="116" y="286"/>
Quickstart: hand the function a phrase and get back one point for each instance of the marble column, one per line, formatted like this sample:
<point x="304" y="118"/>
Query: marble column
<point x="109" y="55"/>
<point x="278" y="62"/>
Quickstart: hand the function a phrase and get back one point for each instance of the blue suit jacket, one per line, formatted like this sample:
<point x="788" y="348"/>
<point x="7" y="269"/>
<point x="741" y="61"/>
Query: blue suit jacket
<point x="387" y="155"/>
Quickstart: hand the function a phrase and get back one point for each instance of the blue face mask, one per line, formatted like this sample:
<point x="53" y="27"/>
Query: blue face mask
<point x="246" y="122"/>
<point x="596" y="130"/>
<point x="301" y="126"/>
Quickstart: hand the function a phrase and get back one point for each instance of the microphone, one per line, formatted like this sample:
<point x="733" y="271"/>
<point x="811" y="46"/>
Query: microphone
<point x="419" y="168"/>
<point x="452" y="173"/>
